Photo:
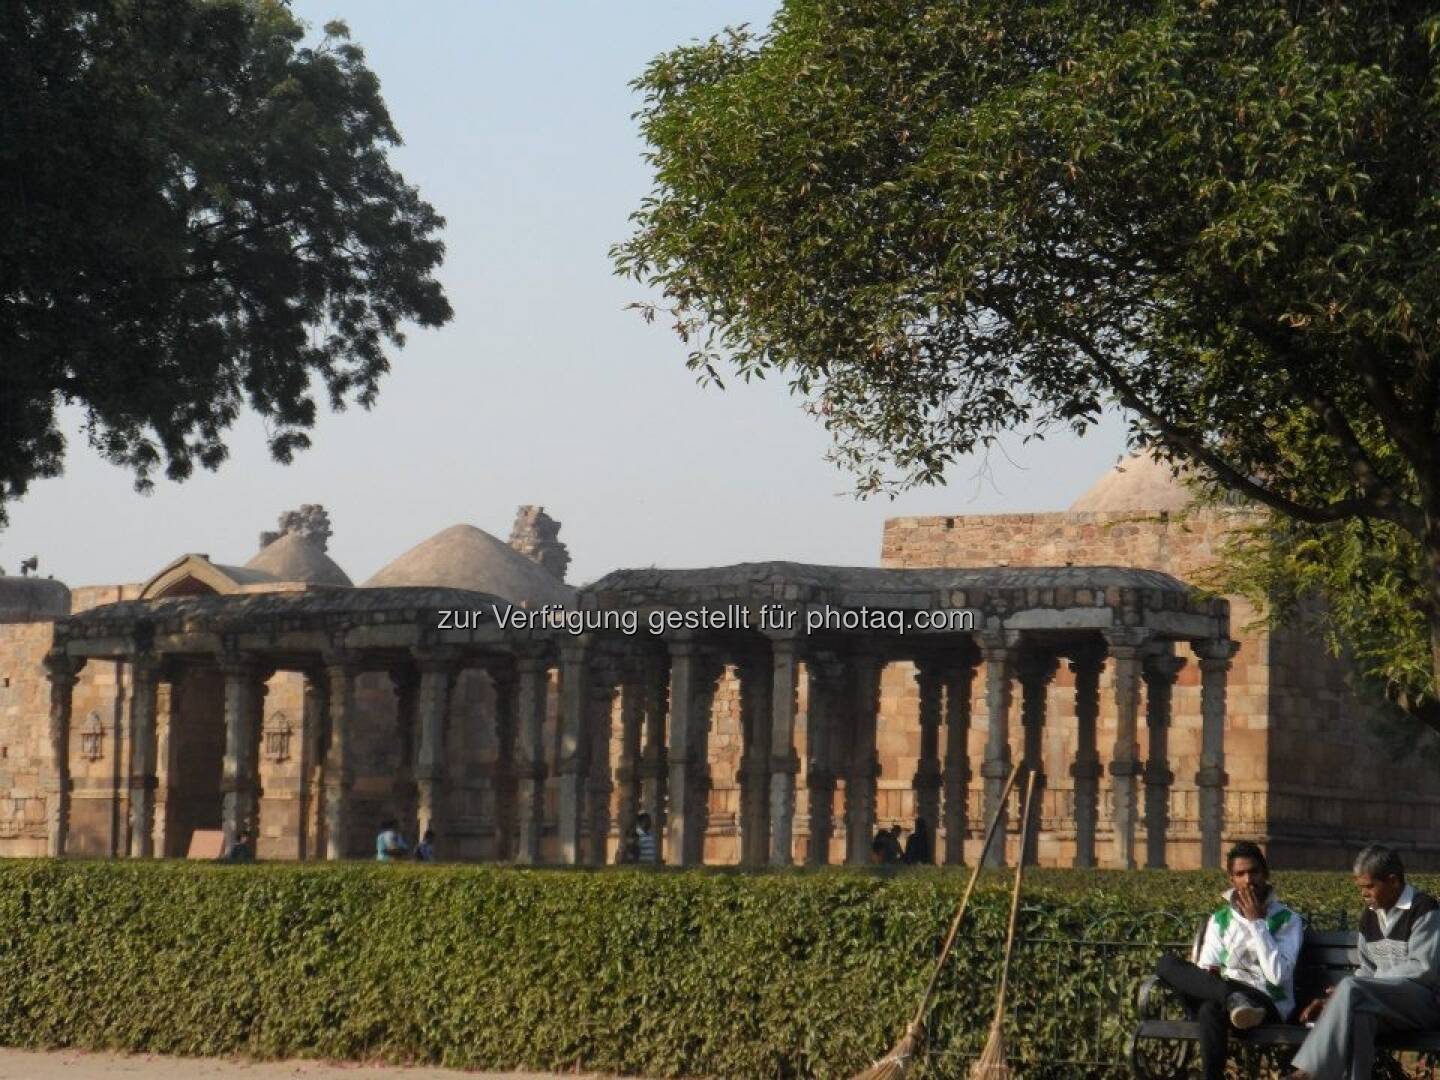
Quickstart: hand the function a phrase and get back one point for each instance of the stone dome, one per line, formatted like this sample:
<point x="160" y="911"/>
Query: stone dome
<point x="464" y="557"/>
<point x="32" y="599"/>
<point x="1139" y="483"/>
<point x="293" y="558"/>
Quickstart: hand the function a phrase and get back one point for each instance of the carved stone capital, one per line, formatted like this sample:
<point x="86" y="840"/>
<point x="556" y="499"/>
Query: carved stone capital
<point x="1157" y="774"/>
<point x="1215" y="653"/>
<point x="998" y="646"/>
<point x="1163" y="668"/>
<point x="928" y="775"/>
<point x="1087" y="660"/>
<point x="1085" y="770"/>
<point x="1211" y="776"/>
<point x="930" y="672"/>
<point x="1036" y="668"/>
<point x="62" y="669"/>
<point x="957" y="775"/>
<point x="335" y="657"/>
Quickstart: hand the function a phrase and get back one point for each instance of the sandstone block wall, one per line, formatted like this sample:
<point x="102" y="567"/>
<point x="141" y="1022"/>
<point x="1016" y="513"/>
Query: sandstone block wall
<point x="24" y="739"/>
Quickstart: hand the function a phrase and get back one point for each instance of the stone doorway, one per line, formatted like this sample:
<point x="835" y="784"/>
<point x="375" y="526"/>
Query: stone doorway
<point x="193" y="767"/>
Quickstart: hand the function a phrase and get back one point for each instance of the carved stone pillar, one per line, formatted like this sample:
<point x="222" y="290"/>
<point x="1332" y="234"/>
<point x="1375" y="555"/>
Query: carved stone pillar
<point x="574" y="747"/>
<point x="314" y="743"/>
<point x="598" y="786"/>
<point x="341" y="670"/>
<point x="654" y="761"/>
<point x="863" y="768"/>
<point x="62" y="671"/>
<point x="1086" y="665"/>
<point x="756" y="693"/>
<point x="1125" y="765"/>
<point x="406" y="683"/>
<point x="240" y="780"/>
<point x="692" y="689"/>
<point x="145" y="680"/>
<point x="534" y="679"/>
<point x="632" y="716"/>
<point x="1036" y="669"/>
<point x="929" y="680"/>
<point x="502" y="679"/>
<point x="784" y="762"/>
<point x="166" y="764"/>
<point x="1000" y="655"/>
<point x="1161" y="668"/>
<point x="1214" y="658"/>
<point x="959" y="686"/>
<point x="824" y="703"/>
<point x="437" y="679"/>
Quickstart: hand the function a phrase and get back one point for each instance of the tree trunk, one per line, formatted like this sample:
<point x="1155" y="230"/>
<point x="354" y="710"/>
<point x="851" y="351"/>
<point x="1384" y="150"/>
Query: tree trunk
<point x="1428" y="709"/>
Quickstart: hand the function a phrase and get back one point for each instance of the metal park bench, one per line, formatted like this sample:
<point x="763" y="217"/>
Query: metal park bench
<point x="1166" y="1041"/>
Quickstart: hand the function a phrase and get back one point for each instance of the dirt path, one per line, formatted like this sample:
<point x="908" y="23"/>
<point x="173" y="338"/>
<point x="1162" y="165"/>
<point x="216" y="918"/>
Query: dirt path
<point x="79" y="1065"/>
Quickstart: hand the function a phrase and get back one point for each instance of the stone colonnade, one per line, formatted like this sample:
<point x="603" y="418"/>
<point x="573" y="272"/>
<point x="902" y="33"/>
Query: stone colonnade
<point x="422" y="685"/>
<point x="670" y="781"/>
<point x="664" y="685"/>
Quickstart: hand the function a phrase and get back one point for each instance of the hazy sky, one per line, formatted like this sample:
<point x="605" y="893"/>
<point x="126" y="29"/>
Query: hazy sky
<point x="516" y="119"/>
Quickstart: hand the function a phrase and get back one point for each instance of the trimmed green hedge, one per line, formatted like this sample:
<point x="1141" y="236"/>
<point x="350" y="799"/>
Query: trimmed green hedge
<point x="626" y="971"/>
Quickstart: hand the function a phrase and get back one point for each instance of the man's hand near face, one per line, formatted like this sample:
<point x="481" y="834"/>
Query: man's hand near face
<point x="1247" y="900"/>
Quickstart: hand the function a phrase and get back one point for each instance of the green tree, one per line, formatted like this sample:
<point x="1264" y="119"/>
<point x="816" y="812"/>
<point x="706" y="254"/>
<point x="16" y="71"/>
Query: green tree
<point x="196" y="213"/>
<point x="945" y="219"/>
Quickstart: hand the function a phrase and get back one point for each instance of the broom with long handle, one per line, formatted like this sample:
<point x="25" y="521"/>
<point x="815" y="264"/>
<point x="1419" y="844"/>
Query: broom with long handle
<point x="896" y="1064"/>
<point x="991" y="1064"/>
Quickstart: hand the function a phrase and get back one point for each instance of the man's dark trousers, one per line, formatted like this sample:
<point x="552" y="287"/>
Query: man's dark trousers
<point x="1204" y="995"/>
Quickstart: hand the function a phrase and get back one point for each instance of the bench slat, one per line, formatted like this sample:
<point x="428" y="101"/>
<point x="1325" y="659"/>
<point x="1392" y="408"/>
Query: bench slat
<point x="1325" y="955"/>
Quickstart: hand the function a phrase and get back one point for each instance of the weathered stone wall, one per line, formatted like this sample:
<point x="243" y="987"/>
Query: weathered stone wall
<point x="100" y="803"/>
<point x="24" y="741"/>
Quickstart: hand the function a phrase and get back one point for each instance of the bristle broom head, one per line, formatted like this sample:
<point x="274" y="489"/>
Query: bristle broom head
<point x="896" y="1064"/>
<point x="991" y="1064"/>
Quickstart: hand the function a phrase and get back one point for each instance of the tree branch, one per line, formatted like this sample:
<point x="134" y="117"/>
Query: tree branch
<point x="1195" y="448"/>
<point x="1417" y="446"/>
<point x="1425" y="710"/>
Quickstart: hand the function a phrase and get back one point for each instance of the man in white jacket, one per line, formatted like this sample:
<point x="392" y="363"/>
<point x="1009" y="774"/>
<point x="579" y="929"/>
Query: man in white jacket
<point x="1245" y="974"/>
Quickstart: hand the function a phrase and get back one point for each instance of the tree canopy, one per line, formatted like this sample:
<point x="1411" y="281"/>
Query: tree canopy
<point x="198" y="214"/>
<point x="945" y="219"/>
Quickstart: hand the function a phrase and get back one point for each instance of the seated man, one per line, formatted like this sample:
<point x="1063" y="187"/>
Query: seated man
<point x="1246" y="971"/>
<point x="1396" y="986"/>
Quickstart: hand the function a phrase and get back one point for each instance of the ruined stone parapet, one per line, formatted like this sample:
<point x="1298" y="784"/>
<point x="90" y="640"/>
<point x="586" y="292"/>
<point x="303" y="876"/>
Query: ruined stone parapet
<point x="32" y="599"/>
<point x="536" y="536"/>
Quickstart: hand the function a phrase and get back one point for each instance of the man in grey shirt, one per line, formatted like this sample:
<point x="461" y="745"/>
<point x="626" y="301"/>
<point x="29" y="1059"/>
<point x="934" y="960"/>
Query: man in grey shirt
<point x="1398" y="982"/>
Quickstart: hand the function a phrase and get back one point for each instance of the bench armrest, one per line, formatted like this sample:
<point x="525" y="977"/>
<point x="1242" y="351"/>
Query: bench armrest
<point x="1154" y="1000"/>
